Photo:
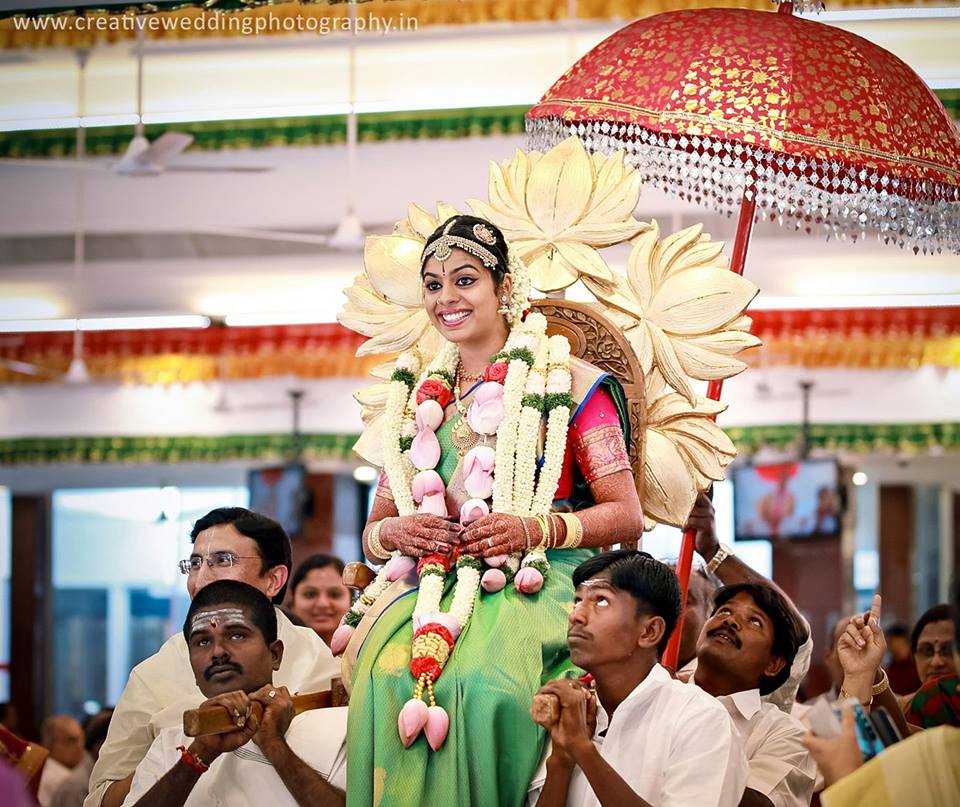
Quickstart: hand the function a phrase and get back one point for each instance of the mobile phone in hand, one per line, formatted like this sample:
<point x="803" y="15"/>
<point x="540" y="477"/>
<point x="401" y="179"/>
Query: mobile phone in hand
<point x="867" y="739"/>
<point x="884" y="726"/>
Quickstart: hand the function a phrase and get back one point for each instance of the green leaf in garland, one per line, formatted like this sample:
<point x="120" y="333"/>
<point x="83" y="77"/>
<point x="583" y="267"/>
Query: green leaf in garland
<point x="405" y="443"/>
<point x="469" y="561"/>
<point x="542" y="565"/>
<point x="553" y="400"/>
<point x="522" y="354"/>
<point x="442" y="375"/>
<point x="352" y="618"/>
<point x="533" y="402"/>
<point x="404" y="375"/>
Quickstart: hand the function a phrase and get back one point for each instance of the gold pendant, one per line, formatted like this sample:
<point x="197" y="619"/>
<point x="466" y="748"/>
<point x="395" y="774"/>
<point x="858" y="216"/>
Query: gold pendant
<point x="463" y="437"/>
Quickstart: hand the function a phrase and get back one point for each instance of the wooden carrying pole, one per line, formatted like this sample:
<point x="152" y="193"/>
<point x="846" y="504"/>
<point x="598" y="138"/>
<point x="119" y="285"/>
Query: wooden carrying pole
<point x="738" y="260"/>
<point x="217" y="720"/>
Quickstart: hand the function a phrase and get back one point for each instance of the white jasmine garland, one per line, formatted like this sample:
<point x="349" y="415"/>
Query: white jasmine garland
<point x="536" y="555"/>
<point x="557" y="424"/>
<point x="394" y="463"/>
<point x="507" y="436"/>
<point x="528" y="433"/>
<point x="465" y="594"/>
<point x="376" y="587"/>
<point x="428" y="598"/>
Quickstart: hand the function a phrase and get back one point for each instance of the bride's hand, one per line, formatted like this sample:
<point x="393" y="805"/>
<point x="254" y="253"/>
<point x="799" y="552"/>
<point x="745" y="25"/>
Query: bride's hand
<point x="419" y="535"/>
<point x="497" y="534"/>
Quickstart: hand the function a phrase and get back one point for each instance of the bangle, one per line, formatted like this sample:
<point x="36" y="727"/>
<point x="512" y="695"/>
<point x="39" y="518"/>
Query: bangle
<point x="882" y="686"/>
<point x="373" y="542"/>
<point x="542" y="521"/>
<point x="191" y="760"/>
<point x="574" y="531"/>
<point x="843" y="695"/>
<point x="526" y="531"/>
<point x="723" y="552"/>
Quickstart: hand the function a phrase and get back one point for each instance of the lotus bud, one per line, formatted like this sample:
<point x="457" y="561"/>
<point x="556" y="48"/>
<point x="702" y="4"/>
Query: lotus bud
<point x="429" y="415"/>
<point x="528" y="580"/>
<point x="425" y="450"/>
<point x="399" y="567"/>
<point x="437" y="726"/>
<point x="472" y="509"/>
<point x="413" y="717"/>
<point x="493" y="580"/>
<point x="340" y="639"/>
<point x="477" y="471"/>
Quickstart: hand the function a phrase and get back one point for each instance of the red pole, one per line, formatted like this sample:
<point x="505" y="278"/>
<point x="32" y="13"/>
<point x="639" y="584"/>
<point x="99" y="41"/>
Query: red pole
<point x="738" y="260"/>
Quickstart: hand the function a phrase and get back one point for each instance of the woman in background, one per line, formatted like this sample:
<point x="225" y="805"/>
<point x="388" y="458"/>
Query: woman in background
<point x="318" y="595"/>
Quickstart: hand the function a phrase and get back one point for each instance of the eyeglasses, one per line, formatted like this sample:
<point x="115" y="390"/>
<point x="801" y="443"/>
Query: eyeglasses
<point x="925" y="650"/>
<point x="215" y="560"/>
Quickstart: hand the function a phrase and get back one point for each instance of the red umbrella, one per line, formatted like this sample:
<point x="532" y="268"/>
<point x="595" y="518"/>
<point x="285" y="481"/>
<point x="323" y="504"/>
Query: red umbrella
<point x="733" y="108"/>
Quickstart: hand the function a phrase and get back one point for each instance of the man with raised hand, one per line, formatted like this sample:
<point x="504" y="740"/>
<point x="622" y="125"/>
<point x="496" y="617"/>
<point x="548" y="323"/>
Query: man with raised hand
<point x="651" y="740"/>
<point x="278" y="759"/>
<point x="228" y="543"/>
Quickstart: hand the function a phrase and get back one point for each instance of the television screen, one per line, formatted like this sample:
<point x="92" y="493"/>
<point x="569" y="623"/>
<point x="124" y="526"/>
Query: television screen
<point x="280" y="493"/>
<point x="788" y="500"/>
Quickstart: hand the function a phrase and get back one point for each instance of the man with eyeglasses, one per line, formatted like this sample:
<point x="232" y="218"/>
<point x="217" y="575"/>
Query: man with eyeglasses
<point x="229" y="543"/>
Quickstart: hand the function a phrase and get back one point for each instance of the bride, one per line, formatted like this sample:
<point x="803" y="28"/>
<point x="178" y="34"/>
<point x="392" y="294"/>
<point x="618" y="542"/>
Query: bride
<point x="505" y="465"/>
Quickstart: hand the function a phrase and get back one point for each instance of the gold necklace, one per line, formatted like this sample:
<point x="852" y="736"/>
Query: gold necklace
<point x="464" y="376"/>
<point x="462" y="436"/>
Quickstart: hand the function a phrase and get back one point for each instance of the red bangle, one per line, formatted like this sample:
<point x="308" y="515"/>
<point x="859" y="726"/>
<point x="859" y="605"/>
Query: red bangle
<point x="191" y="760"/>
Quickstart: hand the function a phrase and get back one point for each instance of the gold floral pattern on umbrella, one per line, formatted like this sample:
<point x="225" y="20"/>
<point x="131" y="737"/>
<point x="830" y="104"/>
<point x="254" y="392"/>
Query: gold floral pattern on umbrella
<point x="824" y="128"/>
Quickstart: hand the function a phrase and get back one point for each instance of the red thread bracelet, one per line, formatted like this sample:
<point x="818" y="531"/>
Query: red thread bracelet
<point x="191" y="760"/>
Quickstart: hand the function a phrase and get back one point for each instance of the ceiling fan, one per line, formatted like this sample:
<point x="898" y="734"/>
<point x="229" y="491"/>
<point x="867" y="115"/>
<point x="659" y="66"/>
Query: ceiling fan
<point x="141" y="157"/>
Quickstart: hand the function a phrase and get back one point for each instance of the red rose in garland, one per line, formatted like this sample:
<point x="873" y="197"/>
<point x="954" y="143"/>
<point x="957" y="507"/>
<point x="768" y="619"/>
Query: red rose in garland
<point x="496" y="372"/>
<point x="433" y="389"/>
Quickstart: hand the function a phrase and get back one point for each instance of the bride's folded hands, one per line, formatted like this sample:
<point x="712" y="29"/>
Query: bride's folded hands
<point x="419" y="535"/>
<point x="498" y="534"/>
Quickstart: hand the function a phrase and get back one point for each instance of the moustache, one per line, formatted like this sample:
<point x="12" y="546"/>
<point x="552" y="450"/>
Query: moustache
<point x="729" y="633"/>
<point x="213" y="669"/>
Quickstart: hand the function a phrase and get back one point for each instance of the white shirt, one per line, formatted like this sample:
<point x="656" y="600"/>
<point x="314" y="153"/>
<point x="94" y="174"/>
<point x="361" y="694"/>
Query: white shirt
<point x="784" y="696"/>
<point x="672" y="743"/>
<point x="245" y="777"/>
<point x="780" y="767"/>
<point x="162" y="687"/>
<point x="54" y="774"/>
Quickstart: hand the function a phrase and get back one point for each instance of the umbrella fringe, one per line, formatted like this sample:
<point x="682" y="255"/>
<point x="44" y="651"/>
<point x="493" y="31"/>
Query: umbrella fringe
<point x="810" y="193"/>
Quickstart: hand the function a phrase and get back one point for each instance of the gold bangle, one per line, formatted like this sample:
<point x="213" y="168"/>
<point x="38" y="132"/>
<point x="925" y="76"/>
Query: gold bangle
<point x="542" y="521"/>
<point x="882" y="686"/>
<point x="376" y="548"/>
<point x="843" y="695"/>
<point x="574" y="534"/>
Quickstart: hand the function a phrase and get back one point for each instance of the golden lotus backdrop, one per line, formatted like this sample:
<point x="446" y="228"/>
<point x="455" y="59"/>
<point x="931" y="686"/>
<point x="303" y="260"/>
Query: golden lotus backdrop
<point x="679" y="305"/>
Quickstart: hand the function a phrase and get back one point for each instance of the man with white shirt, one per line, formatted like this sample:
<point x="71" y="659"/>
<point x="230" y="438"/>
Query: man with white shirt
<point x="276" y="759"/>
<point x="651" y="740"/>
<point x="228" y="543"/>
<point x="745" y="651"/>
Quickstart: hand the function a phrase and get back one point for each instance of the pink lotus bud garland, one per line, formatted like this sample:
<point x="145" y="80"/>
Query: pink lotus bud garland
<point x="528" y="379"/>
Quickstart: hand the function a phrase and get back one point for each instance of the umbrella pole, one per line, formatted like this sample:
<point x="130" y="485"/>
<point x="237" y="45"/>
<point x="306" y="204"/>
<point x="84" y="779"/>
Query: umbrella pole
<point x="738" y="260"/>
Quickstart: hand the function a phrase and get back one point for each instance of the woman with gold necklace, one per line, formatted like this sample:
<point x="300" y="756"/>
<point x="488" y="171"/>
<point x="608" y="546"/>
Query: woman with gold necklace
<point x="505" y="466"/>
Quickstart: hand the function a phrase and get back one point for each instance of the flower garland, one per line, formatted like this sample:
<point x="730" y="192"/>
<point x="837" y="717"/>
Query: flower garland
<point x="524" y="382"/>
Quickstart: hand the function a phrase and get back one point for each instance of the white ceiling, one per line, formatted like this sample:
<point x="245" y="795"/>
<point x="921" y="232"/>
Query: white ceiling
<point x="309" y="189"/>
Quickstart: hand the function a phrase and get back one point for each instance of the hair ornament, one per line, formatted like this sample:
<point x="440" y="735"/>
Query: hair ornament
<point x="484" y="234"/>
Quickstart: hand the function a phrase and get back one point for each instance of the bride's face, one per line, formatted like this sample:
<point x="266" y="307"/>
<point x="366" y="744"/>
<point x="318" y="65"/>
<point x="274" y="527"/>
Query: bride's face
<point x="461" y="298"/>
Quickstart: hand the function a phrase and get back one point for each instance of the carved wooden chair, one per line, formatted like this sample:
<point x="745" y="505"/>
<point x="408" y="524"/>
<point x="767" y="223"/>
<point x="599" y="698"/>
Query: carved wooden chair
<point x="593" y="337"/>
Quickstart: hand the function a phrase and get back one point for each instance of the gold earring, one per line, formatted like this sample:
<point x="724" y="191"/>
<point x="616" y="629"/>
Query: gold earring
<point x="504" y="309"/>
